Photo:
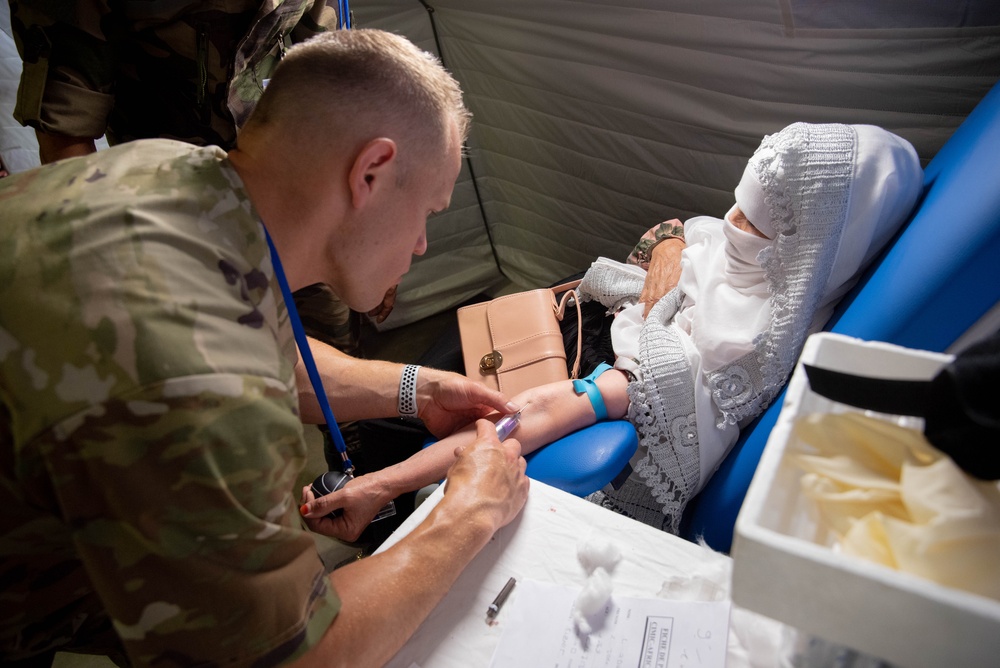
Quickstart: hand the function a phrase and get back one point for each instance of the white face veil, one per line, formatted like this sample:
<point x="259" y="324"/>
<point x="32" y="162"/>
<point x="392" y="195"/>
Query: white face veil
<point x="828" y="197"/>
<point x="716" y="351"/>
<point x="799" y="177"/>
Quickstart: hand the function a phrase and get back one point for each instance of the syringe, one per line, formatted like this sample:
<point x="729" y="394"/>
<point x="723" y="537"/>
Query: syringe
<point x="507" y="424"/>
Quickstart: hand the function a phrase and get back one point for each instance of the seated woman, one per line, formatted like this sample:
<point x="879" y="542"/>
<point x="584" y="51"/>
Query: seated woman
<point x="815" y="205"/>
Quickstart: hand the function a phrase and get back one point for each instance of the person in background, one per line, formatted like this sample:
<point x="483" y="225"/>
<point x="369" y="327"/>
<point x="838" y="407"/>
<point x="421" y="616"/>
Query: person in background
<point x="138" y="70"/>
<point x="187" y="71"/>
<point x="815" y="205"/>
<point x="152" y="402"/>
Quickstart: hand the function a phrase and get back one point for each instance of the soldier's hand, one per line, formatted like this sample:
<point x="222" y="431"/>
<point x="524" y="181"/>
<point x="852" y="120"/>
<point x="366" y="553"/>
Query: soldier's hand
<point x="488" y="478"/>
<point x="447" y="401"/>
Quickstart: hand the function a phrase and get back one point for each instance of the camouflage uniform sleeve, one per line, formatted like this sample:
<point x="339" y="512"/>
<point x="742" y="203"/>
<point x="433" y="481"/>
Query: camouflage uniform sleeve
<point x="643" y="251"/>
<point x="320" y="17"/>
<point x="180" y="495"/>
<point x="273" y="31"/>
<point x="67" y="78"/>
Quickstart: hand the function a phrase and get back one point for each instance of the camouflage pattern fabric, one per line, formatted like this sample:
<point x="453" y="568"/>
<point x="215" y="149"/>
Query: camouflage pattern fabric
<point x="326" y="318"/>
<point x="153" y="68"/>
<point x="643" y="251"/>
<point x="165" y="68"/>
<point x="149" y="438"/>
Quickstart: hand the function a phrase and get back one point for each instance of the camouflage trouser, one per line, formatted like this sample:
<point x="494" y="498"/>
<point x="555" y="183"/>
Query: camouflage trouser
<point x="92" y="635"/>
<point x="328" y="319"/>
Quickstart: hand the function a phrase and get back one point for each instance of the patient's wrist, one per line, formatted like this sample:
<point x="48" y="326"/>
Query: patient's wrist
<point x="382" y="486"/>
<point x="664" y="244"/>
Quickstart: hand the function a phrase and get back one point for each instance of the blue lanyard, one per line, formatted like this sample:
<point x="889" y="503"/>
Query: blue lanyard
<point x="343" y="14"/>
<point x="307" y="357"/>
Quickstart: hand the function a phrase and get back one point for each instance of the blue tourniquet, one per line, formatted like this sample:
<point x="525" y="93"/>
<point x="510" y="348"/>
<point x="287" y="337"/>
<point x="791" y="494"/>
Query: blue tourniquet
<point x="588" y="385"/>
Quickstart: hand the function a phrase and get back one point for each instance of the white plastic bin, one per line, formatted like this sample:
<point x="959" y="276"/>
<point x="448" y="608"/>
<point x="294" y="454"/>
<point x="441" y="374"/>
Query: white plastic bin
<point x="787" y="568"/>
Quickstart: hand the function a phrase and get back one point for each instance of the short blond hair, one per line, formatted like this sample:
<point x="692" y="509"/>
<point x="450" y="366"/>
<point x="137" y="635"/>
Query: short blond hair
<point x="362" y="83"/>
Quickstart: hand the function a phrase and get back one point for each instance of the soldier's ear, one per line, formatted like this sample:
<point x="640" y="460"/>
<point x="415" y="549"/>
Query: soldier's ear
<point x="374" y="168"/>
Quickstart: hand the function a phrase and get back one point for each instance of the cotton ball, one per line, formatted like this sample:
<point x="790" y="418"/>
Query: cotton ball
<point x="707" y="580"/>
<point x="598" y="552"/>
<point x="598" y="558"/>
<point x="595" y="593"/>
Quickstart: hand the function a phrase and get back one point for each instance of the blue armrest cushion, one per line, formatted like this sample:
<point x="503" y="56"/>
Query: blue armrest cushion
<point x="586" y="460"/>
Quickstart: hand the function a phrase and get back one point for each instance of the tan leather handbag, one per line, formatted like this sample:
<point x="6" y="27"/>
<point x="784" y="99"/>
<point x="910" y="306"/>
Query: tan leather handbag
<point x="513" y="342"/>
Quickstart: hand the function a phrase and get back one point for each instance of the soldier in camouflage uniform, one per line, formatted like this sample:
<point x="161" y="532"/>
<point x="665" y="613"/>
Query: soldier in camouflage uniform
<point x="166" y="68"/>
<point x="150" y="430"/>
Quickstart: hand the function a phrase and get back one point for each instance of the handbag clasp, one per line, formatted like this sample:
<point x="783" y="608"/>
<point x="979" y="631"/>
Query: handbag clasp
<point x="490" y="362"/>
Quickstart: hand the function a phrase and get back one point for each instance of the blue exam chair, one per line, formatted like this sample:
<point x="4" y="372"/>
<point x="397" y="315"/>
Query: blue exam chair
<point x="934" y="281"/>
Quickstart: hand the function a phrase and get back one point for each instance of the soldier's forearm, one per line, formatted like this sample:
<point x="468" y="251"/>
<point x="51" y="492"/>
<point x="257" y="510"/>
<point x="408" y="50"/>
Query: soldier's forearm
<point x="358" y="388"/>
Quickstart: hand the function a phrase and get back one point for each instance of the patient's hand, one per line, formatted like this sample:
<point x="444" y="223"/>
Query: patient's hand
<point x="663" y="274"/>
<point x="360" y="499"/>
<point x="382" y="311"/>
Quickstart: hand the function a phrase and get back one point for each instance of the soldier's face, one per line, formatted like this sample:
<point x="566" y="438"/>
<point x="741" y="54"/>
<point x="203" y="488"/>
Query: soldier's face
<point x="395" y="229"/>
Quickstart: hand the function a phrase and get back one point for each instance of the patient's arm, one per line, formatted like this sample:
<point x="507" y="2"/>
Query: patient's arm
<point x="549" y="412"/>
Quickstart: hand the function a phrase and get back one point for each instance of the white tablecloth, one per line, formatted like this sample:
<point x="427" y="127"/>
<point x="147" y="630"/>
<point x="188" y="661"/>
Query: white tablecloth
<point x="541" y="544"/>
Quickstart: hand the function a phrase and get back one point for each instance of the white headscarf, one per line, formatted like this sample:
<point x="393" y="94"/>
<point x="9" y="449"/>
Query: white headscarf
<point x="828" y="197"/>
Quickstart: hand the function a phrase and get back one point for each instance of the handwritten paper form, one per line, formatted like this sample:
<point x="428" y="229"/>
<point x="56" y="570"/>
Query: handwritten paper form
<point x="626" y="632"/>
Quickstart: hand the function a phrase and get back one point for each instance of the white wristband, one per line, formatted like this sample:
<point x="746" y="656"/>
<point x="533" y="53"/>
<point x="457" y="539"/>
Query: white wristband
<point x="407" y="404"/>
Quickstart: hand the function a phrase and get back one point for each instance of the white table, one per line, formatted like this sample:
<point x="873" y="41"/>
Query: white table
<point x="541" y="544"/>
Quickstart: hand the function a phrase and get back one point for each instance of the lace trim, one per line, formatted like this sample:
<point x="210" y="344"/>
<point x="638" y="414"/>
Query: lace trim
<point x="806" y="177"/>
<point x="806" y="174"/>
<point x="611" y="285"/>
<point x="666" y="467"/>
